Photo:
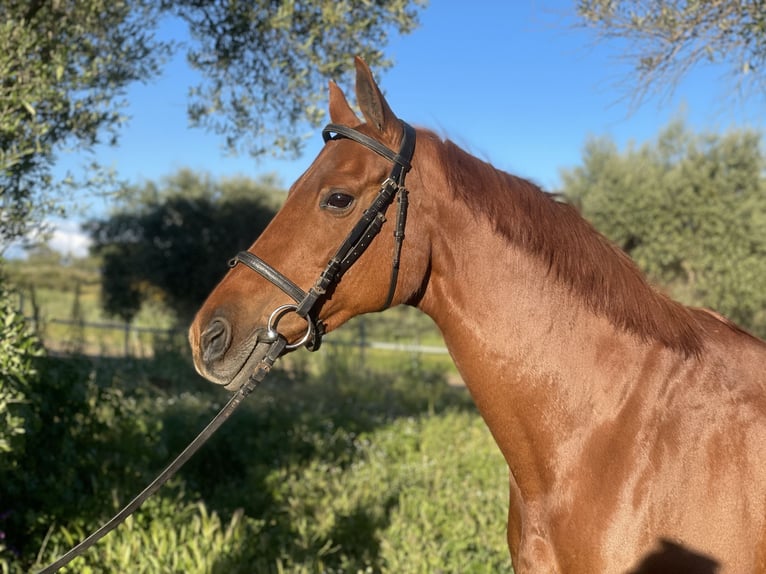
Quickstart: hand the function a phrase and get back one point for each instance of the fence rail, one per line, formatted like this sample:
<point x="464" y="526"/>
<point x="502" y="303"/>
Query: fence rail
<point x="112" y="326"/>
<point x="138" y="340"/>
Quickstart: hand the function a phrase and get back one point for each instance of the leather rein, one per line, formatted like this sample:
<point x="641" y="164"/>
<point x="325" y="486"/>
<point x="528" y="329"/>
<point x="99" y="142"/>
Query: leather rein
<point x="350" y="250"/>
<point x="259" y="373"/>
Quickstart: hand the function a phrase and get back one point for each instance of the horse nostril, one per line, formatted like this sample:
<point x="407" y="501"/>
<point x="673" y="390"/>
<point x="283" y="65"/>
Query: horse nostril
<point x="215" y="340"/>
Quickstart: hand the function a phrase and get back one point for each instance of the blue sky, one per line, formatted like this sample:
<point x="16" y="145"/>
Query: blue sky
<point x="510" y="81"/>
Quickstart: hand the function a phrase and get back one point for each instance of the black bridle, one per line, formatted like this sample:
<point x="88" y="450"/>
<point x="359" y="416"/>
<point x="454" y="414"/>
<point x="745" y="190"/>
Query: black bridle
<point x="353" y="246"/>
<point x="349" y="251"/>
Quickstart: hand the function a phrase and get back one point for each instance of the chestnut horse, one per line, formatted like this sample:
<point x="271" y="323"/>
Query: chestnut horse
<point x="634" y="427"/>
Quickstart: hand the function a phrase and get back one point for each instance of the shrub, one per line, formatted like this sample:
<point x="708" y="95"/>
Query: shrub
<point x="82" y="443"/>
<point x="167" y="535"/>
<point x="19" y="349"/>
<point x="422" y="495"/>
<point x="346" y="471"/>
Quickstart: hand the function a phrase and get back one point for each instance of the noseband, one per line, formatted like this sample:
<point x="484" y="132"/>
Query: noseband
<point x="352" y="247"/>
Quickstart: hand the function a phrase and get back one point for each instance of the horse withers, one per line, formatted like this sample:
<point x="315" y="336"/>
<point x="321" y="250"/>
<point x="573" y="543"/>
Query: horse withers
<point x="634" y="427"/>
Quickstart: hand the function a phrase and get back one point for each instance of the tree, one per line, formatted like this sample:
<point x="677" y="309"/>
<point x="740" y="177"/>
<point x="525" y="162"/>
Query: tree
<point x="690" y="209"/>
<point x="65" y="66"/>
<point x="266" y="64"/>
<point x="665" y="38"/>
<point x="174" y="240"/>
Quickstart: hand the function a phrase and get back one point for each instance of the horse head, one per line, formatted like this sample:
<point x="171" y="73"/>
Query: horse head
<point x="321" y="260"/>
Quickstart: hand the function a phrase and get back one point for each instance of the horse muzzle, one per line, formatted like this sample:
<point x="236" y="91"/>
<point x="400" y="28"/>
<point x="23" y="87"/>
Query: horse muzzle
<point x="220" y="361"/>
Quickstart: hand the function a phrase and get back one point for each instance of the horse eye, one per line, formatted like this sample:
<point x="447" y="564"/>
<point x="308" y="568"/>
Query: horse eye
<point x="338" y="200"/>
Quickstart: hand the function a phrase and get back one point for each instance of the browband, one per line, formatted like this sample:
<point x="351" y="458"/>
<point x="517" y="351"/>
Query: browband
<point x="400" y="160"/>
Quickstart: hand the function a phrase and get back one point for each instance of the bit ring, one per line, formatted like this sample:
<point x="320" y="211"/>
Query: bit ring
<point x="276" y="315"/>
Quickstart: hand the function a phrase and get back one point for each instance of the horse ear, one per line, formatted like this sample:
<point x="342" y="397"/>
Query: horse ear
<point x="371" y="101"/>
<point x="340" y="111"/>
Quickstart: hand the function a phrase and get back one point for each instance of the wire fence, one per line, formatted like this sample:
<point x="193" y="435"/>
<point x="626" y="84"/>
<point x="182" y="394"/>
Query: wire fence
<point x="117" y="339"/>
<point x="368" y="343"/>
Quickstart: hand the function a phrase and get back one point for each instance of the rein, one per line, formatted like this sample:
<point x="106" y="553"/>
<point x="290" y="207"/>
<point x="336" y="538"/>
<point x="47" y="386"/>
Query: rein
<point x="356" y="242"/>
<point x="261" y="370"/>
<point x="350" y="250"/>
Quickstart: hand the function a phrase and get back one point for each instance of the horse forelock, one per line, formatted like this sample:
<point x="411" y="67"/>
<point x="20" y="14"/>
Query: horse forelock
<point x="575" y="253"/>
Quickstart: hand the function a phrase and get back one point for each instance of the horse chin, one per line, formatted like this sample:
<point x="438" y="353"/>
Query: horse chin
<point x="239" y="378"/>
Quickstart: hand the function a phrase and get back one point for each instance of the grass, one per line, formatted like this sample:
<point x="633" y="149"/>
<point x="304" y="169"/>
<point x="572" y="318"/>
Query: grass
<point x="63" y="302"/>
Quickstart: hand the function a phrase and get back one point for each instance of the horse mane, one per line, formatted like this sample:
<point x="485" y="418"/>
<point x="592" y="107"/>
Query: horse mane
<point x="575" y="253"/>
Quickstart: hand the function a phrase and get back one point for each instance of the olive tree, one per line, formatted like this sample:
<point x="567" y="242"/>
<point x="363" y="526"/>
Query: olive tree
<point x="661" y="40"/>
<point x="171" y="240"/>
<point x="690" y="209"/>
<point x="65" y="66"/>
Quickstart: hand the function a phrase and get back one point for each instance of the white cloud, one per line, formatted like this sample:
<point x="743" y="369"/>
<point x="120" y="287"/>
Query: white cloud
<point x="63" y="236"/>
<point x="68" y="239"/>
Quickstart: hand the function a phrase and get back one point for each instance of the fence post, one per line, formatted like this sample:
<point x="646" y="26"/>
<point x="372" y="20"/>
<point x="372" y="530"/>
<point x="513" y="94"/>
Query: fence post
<point x="362" y="342"/>
<point x="126" y="351"/>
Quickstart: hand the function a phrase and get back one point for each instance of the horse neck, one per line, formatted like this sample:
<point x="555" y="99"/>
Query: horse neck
<point x="502" y="331"/>
<point x="517" y="334"/>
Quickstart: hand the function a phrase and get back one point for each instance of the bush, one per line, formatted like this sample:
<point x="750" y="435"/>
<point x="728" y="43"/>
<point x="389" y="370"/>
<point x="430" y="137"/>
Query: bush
<point x="423" y="494"/>
<point x="18" y="350"/>
<point x="410" y="502"/>
<point x="343" y="472"/>
<point x="168" y="534"/>
<point x="82" y="442"/>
